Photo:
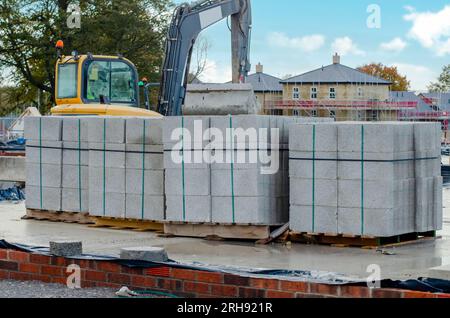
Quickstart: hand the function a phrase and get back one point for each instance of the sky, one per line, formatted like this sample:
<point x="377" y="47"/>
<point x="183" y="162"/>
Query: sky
<point x="290" y="37"/>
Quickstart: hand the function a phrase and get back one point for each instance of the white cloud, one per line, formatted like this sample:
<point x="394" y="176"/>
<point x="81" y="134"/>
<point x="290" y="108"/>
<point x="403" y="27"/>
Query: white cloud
<point x="396" y="45"/>
<point x="419" y="75"/>
<point x="214" y="73"/>
<point x="308" y="43"/>
<point x="345" y="46"/>
<point x="431" y="29"/>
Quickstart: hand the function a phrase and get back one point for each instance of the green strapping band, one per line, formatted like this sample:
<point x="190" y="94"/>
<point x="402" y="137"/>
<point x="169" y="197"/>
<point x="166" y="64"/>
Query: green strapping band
<point x="314" y="180"/>
<point x="79" y="164"/>
<point x="104" y="167"/>
<point x="40" y="160"/>
<point x="362" y="180"/>
<point x="232" y="172"/>
<point x="143" y="173"/>
<point x="183" y="185"/>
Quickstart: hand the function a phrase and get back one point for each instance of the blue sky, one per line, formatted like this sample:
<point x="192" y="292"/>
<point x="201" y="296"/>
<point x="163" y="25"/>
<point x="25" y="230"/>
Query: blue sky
<point x="295" y="36"/>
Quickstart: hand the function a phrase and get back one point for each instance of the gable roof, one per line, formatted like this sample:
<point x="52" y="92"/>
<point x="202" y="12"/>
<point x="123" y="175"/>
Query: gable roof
<point x="443" y="99"/>
<point x="335" y="73"/>
<point x="408" y="96"/>
<point x="263" y="82"/>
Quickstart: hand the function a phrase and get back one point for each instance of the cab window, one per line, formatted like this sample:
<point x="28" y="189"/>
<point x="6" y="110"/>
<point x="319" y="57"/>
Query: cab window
<point x="67" y="80"/>
<point x="114" y="80"/>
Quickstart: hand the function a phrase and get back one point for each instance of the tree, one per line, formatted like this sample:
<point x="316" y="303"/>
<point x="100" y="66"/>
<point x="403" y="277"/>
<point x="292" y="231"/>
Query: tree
<point x="200" y="54"/>
<point x="391" y="74"/>
<point x="443" y="83"/>
<point x="29" y="30"/>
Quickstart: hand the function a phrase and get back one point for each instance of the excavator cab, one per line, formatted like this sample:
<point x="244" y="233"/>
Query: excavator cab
<point x="97" y="85"/>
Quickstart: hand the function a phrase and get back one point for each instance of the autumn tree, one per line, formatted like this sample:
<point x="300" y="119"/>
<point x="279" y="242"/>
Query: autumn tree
<point x="391" y="74"/>
<point x="29" y="30"/>
<point x="443" y="83"/>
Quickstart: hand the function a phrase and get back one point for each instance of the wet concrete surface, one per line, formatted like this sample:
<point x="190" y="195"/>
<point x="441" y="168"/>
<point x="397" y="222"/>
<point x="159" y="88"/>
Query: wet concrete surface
<point x="411" y="261"/>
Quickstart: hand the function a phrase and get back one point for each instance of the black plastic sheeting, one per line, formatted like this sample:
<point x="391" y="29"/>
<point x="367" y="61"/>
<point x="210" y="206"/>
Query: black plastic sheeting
<point x="422" y="284"/>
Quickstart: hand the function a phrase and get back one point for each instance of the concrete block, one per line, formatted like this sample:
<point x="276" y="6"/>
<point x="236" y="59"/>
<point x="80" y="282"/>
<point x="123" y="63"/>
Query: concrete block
<point x="325" y="165"/>
<point x="107" y="129"/>
<point x="48" y="152"/>
<point x="246" y="183"/>
<point x="193" y="159"/>
<point x="348" y="170"/>
<point x="111" y="156"/>
<point x="75" y="154"/>
<point x="247" y="210"/>
<point x="114" y="180"/>
<point x="66" y="248"/>
<point x="75" y="177"/>
<point x="196" y="131"/>
<point x="378" y="137"/>
<point x="438" y="204"/>
<point x="152" y="157"/>
<point x="147" y="254"/>
<point x="301" y="137"/>
<point x="50" y="176"/>
<point x="153" y="182"/>
<point x="114" y="204"/>
<point x="153" y="131"/>
<point x="51" y="198"/>
<point x="76" y="129"/>
<point x="376" y="222"/>
<point x="197" y="182"/>
<point x="377" y="194"/>
<point x="325" y="219"/>
<point x="153" y="207"/>
<point x="326" y="194"/>
<point x="197" y="208"/>
<point x="71" y="201"/>
<point x="47" y="128"/>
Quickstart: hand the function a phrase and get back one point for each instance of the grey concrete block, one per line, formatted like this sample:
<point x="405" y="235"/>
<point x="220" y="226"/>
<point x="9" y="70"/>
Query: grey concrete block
<point x="76" y="129"/>
<point x="326" y="192"/>
<point x="247" y="210"/>
<point x="152" y="158"/>
<point x="50" y="176"/>
<point x="153" y="182"/>
<point x="245" y="183"/>
<point x="197" y="208"/>
<point x="47" y="127"/>
<point x="325" y="219"/>
<point x="48" y="152"/>
<point x="51" y="198"/>
<point x="196" y="127"/>
<point x="112" y="180"/>
<point x="374" y="222"/>
<point x="191" y="159"/>
<point x="107" y="129"/>
<point x="377" y="193"/>
<point x="153" y="207"/>
<point x="74" y="153"/>
<point x="324" y="166"/>
<point x="301" y="137"/>
<point x="114" y="204"/>
<point x="66" y="248"/>
<point x="111" y="156"/>
<point x="75" y="177"/>
<point x="438" y="204"/>
<point x="371" y="170"/>
<point x="147" y="254"/>
<point x="153" y="131"/>
<point x="378" y="137"/>
<point x="197" y="182"/>
<point x="72" y="202"/>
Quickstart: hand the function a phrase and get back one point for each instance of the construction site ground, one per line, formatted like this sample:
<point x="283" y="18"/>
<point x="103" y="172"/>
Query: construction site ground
<point x="400" y="262"/>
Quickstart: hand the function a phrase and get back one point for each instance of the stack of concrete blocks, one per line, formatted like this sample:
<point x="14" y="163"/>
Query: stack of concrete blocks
<point x="187" y="169"/>
<point x="360" y="178"/>
<point x="43" y="163"/>
<point x="144" y="169"/>
<point x="106" y="137"/>
<point x="75" y="169"/>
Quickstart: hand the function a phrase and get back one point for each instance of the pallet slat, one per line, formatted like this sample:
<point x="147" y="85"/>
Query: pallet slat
<point x="127" y="224"/>
<point x="54" y="216"/>
<point x="242" y="232"/>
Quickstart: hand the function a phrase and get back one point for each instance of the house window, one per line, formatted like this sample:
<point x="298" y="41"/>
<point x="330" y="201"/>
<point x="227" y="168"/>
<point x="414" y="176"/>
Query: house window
<point x="332" y="93"/>
<point x="314" y="113"/>
<point x="313" y="92"/>
<point x="374" y="116"/>
<point x="360" y="92"/>
<point x="333" y="114"/>
<point x="296" y="93"/>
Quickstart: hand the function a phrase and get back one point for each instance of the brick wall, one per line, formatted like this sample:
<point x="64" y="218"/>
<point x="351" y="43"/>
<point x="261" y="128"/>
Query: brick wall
<point x="24" y="266"/>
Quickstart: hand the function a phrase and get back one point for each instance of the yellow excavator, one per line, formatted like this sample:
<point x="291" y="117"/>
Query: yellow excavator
<point x="109" y="85"/>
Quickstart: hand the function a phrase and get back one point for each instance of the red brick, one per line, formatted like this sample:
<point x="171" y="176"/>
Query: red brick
<point x="236" y="280"/>
<point x="301" y="287"/>
<point x="88" y="284"/>
<point x="60" y="261"/>
<point x="108" y="285"/>
<point x="143" y="281"/>
<point x="386" y="293"/>
<point x="19" y="276"/>
<point x="109" y="267"/>
<point x="169" y="284"/>
<point x="59" y="280"/>
<point x="183" y="274"/>
<point x="224" y="290"/>
<point x="416" y="294"/>
<point x="323" y="289"/>
<point x="10" y="266"/>
<point x="251" y="293"/>
<point x="29" y="268"/>
<point x="265" y="283"/>
<point x="119" y="278"/>
<point x="39" y="259"/>
<point x="163" y="271"/>
<point x="199" y="288"/>
<point x="52" y="270"/>
<point x="95" y="275"/>
<point x="355" y="292"/>
<point x="41" y="278"/>
<point x="279" y="294"/>
<point x="18" y="256"/>
<point x="4" y="274"/>
<point x="86" y="264"/>
<point x="210" y="277"/>
<point x="132" y="270"/>
<point x="307" y="295"/>
<point x="442" y="295"/>
<point x="3" y="254"/>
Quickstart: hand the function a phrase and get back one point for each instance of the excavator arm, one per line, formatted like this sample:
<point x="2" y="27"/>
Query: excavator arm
<point x="187" y="22"/>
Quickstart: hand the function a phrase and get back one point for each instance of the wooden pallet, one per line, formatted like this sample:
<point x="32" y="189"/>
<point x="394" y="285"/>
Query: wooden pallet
<point x="127" y="224"/>
<point x="218" y="231"/>
<point x="360" y="241"/>
<point x="54" y="216"/>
